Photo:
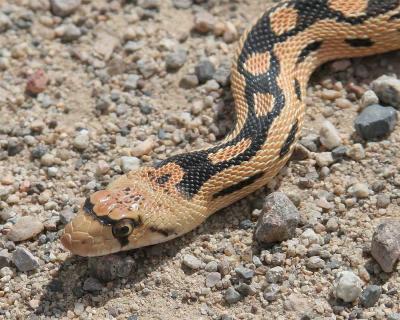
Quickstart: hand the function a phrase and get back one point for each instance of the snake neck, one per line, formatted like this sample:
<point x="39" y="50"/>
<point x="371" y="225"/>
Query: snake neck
<point x="269" y="78"/>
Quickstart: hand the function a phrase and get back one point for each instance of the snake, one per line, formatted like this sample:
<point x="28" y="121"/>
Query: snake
<point x="270" y="72"/>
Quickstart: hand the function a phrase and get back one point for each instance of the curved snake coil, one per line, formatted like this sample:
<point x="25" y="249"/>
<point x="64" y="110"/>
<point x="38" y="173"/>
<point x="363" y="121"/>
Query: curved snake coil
<point x="273" y="64"/>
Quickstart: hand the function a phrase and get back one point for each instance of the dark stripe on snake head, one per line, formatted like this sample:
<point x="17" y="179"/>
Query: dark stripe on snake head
<point x="289" y="140"/>
<point x="240" y="185"/>
<point x="310" y="48"/>
<point x="360" y="42"/>
<point x="88" y="208"/>
<point x="297" y="89"/>
<point x="164" y="232"/>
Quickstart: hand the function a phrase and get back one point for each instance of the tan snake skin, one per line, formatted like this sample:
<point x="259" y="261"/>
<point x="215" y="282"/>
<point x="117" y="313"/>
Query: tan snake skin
<point x="273" y="64"/>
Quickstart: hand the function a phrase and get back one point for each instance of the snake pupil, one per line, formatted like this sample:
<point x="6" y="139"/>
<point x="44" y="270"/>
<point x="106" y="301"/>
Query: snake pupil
<point x="123" y="228"/>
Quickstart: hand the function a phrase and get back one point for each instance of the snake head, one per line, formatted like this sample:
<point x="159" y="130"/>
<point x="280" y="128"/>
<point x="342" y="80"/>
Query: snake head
<point x="121" y="218"/>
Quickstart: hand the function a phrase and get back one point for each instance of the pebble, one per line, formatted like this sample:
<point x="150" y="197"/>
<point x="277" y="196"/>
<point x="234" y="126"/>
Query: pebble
<point x="297" y="303"/>
<point x="110" y="267"/>
<point x="149" y="4"/>
<point x="105" y="45"/>
<point x="5" y="22"/>
<point x="24" y="260"/>
<point x="182" y="4"/>
<point x="314" y="263"/>
<point x="5" y="258"/>
<point x="278" y="219"/>
<point x="92" y="285"/>
<point x="203" y="22"/>
<point x="143" y="148"/>
<point x="385" y="246"/>
<point x="359" y="190"/>
<point x="191" y="262"/>
<point x="131" y="82"/>
<point x="375" y="121"/>
<point x="244" y="272"/>
<point x="147" y="67"/>
<point x="329" y="136"/>
<point x="37" y="82"/>
<point x="271" y="292"/>
<point x="189" y="81"/>
<point x="343" y="103"/>
<point x="204" y="71"/>
<point x="328" y="94"/>
<point x="66" y="215"/>
<point x="71" y="33"/>
<point x="347" y="286"/>
<point x="64" y="8"/>
<point x="212" y="266"/>
<point x="275" y="275"/>
<point x="368" y="98"/>
<point x="394" y="316"/>
<point x="212" y="279"/>
<point x="324" y="159"/>
<point x="370" y="295"/>
<point x="356" y="152"/>
<point x="175" y="60"/>
<point x="382" y="201"/>
<point x="25" y="228"/>
<point x="388" y="90"/>
<point x="82" y="141"/>
<point x="232" y="296"/>
<point x="129" y="163"/>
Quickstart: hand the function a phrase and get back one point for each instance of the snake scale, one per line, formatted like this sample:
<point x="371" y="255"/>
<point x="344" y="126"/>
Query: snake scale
<point x="270" y="72"/>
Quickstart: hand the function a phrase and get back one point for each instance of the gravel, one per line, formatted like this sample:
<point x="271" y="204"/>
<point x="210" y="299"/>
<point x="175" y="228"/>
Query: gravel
<point x="388" y="90"/>
<point x="370" y="295"/>
<point x="232" y="296"/>
<point x="64" y="8"/>
<point x="191" y="262"/>
<point x="205" y="71"/>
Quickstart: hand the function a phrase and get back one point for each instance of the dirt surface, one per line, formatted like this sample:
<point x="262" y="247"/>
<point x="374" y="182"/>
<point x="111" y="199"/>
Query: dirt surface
<point x="58" y="146"/>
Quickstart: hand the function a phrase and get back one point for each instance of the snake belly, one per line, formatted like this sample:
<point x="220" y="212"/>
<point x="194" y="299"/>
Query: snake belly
<point x="271" y="69"/>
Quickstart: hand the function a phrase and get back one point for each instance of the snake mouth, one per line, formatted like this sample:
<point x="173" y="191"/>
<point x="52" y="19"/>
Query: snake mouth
<point x="86" y="237"/>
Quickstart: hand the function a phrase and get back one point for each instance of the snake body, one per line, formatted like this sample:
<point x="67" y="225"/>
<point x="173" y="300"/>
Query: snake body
<point x="274" y="61"/>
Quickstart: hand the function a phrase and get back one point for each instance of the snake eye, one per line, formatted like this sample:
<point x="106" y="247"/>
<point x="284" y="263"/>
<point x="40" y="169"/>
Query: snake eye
<point x="122" y="228"/>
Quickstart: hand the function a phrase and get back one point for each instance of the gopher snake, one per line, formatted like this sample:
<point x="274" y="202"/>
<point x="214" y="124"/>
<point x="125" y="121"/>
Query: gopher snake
<point x="273" y="64"/>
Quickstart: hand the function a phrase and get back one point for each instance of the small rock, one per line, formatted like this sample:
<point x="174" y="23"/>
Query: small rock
<point x="212" y="279"/>
<point x="370" y="296"/>
<point x="324" y="159"/>
<point x="244" y="273"/>
<point x="110" y="267"/>
<point x="385" y="246"/>
<point x="203" y="22"/>
<point x="271" y="292"/>
<point x="24" y="260"/>
<point x="382" y="201"/>
<point x="359" y="190"/>
<point x="92" y="285"/>
<point x="129" y="163"/>
<point x="204" y="71"/>
<point x="328" y="94"/>
<point x="64" y="8"/>
<point x="37" y="82"/>
<point x="66" y="215"/>
<point x="25" y="228"/>
<point x="105" y="45"/>
<point x="149" y="4"/>
<point x="143" y="148"/>
<point x="356" y="152"/>
<point x="191" y="262"/>
<point x="275" y="275"/>
<point x="343" y="103"/>
<point x="347" y="286"/>
<point x="388" y="90"/>
<point x="278" y="220"/>
<point x="71" y="33"/>
<point x="182" y="4"/>
<point x="176" y="60"/>
<point x="339" y="152"/>
<point x="5" y="22"/>
<point x="232" y="296"/>
<point x="147" y="67"/>
<point x="329" y="136"/>
<point x="245" y="289"/>
<point x="230" y="33"/>
<point x="212" y="266"/>
<point x="222" y="74"/>
<point x="368" y="99"/>
<point x="340" y="65"/>
<point x="189" y="81"/>
<point x="5" y="258"/>
<point x="297" y="303"/>
<point x="131" y="82"/>
<point x="332" y="225"/>
<point x="82" y="141"/>
<point x="314" y="263"/>
<point x="394" y="316"/>
<point x="375" y="121"/>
